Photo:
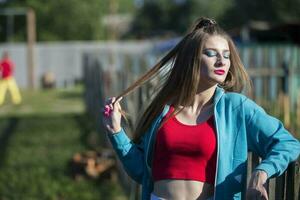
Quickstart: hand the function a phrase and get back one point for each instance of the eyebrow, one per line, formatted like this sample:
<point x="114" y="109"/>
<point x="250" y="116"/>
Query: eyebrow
<point x="224" y="50"/>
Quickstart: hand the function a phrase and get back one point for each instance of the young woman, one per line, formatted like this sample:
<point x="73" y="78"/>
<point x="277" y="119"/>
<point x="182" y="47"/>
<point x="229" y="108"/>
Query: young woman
<point x="192" y="141"/>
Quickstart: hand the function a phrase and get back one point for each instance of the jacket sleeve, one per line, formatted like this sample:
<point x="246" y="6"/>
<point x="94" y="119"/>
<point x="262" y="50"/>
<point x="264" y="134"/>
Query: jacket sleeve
<point x="268" y="138"/>
<point x="130" y="154"/>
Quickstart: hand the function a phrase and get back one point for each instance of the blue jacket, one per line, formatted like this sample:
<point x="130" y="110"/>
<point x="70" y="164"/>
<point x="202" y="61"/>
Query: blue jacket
<point x="241" y="125"/>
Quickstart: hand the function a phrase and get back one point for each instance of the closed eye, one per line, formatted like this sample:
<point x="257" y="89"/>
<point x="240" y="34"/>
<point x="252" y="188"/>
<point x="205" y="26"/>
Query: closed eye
<point x="226" y="54"/>
<point x="210" y="52"/>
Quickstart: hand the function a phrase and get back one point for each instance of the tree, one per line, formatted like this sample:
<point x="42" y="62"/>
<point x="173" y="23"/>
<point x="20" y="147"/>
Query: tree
<point x="164" y="17"/>
<point x="63" y="20"/>
<point x="159" y="17"/>
<point x="274" y="12"/>
<point x="288" y="10"/>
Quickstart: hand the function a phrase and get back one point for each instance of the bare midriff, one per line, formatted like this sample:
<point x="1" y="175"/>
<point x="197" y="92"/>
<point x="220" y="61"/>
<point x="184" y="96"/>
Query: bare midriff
<point x="173" y="189"/>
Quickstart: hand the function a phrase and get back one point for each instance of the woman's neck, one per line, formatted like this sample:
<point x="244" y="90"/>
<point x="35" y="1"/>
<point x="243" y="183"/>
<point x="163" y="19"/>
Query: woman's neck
<point x="203" y="99"/>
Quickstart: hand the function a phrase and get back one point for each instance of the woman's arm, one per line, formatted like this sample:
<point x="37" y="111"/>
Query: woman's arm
<point x="130" y="154"/>
<point x="268" y="138"/>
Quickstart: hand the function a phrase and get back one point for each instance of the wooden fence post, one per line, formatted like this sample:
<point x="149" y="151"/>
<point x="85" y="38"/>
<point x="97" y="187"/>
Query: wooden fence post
<point x="298" y="113"/>
<point x="286" y="111"/>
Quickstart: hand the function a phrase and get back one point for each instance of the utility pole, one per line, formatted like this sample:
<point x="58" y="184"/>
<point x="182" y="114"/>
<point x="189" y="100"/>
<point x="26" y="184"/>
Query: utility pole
<point x="10" y="28"/>
<point x="31" y="39"/>
<point x="113" y="8"/>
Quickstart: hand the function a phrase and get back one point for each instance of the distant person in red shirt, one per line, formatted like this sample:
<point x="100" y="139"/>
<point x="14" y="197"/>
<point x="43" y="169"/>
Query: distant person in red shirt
<point x="7" y="81"/>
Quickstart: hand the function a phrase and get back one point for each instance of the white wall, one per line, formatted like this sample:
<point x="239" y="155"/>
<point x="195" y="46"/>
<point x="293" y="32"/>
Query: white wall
<point x="65" y="59"/>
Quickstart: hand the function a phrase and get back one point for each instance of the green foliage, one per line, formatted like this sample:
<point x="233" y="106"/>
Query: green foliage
<point x="163" y="16"/>
<point x="63" y="20"/>
<point x="241" y="12"/>
<point x="170" y="16"/>
<point x="288" y="10"/>
<point x="82" y="20"/>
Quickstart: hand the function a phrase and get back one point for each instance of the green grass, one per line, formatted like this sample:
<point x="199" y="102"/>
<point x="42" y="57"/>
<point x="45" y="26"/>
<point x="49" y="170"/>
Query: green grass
<point x="37" y="144"/>
<point x="45" y="102"/>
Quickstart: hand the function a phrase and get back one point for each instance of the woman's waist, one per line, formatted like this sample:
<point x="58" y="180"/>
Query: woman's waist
<point x="183" y="189"/>
<point x="201" y="172"/>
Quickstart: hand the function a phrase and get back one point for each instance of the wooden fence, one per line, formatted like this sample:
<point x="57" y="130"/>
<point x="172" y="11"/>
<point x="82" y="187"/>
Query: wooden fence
<point x="284" y="187"/>
<point x="273" y="69"/>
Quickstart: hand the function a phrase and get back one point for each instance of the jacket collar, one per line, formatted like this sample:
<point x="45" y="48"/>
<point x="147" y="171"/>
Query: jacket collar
<point x="218" y="93"/>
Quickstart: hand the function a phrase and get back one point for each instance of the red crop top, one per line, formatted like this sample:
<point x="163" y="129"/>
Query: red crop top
<point x="186" y="152"/>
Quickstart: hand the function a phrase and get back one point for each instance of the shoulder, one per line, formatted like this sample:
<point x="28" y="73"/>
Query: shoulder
<point x="242" y="102"/>
<point x="234" y="98"/>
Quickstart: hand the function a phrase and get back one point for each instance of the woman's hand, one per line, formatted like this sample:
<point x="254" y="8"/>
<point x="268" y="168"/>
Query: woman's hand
<point x="112" y="115"/>
<point x="256" y="189"/>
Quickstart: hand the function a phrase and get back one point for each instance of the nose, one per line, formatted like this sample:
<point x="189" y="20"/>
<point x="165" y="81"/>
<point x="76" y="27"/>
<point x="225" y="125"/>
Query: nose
<point x="220" y="62"/>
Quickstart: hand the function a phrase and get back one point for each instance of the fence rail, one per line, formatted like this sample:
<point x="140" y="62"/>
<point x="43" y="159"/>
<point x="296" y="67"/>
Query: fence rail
<point x="271" y="83"/>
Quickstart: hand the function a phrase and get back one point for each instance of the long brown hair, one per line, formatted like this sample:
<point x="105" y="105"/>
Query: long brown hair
<point x="182" y="73"/>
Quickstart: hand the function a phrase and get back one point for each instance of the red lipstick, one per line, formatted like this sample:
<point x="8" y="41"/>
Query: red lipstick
<point x="219" y="72"/>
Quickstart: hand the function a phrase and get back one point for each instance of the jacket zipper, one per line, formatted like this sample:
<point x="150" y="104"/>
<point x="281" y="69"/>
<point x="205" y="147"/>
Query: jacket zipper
<point x="147" y="152"/>
<point x="216" y="125"/>
<point x="218" y="142"/>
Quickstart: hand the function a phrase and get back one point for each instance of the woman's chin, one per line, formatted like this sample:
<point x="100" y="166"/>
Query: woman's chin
<point x="211" y="81"/>
<point x="217" y="81"/>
